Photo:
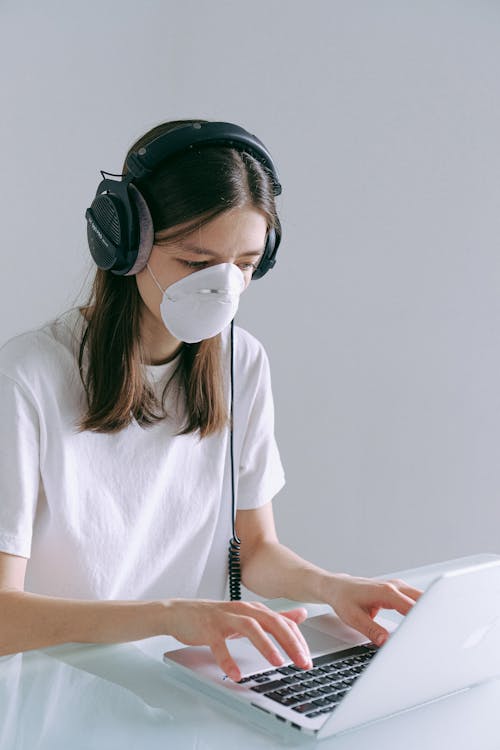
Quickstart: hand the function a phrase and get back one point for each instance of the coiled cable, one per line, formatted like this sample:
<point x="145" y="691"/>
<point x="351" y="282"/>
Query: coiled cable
<point x="235" y="542"/>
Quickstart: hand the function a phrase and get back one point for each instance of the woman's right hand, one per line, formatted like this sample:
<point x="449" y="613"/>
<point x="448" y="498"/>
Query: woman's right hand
<point x="202" y="622"/>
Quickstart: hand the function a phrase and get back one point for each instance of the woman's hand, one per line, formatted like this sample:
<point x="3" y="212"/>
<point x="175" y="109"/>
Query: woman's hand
<point x="204" y="622"/>
<point x="358" y="600"/>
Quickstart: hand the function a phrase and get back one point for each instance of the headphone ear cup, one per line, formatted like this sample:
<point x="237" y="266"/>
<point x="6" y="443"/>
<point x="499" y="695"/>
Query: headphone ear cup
<point x="105" y="219"/>
<point x="145" y="230"/>
<point x="268" y="257"/>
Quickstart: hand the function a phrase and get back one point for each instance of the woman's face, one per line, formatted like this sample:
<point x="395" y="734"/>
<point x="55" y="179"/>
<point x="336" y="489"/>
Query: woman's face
<point x="235" y="236"/>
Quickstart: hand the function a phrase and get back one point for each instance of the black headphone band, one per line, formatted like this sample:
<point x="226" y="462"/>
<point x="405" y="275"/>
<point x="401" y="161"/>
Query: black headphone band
<point x="114" y="233"/>
<point x="144" y="161"/>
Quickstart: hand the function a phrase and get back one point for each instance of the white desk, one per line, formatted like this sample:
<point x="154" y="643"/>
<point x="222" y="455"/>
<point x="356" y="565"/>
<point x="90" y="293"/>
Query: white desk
<point x="78" y="697"/>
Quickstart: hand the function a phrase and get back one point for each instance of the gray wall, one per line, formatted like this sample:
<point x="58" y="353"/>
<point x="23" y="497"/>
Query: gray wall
<point x="382" y="317"/>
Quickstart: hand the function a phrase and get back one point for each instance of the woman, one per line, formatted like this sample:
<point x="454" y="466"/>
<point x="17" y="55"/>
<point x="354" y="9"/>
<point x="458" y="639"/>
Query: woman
<point x="114" y="444"/>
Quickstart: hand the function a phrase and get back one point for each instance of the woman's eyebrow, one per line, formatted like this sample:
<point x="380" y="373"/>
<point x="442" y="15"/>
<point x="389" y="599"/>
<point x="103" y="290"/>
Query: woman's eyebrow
<point x="205" y="251"/>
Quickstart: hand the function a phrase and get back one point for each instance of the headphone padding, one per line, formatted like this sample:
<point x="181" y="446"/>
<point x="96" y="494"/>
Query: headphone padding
<point x="146" y="231"/>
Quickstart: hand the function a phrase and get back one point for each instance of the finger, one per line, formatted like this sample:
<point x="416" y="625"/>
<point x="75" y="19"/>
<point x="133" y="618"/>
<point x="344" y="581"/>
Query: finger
<point x="253" y="630"/>
<point x="298" y="633"/>
<point x="359" y="620"/>
<point x="392" y="598"/>
<point x="406" y="588"/>
<point x="298" y="615"/>
<point x="269" y="619"/>
<point x="373" y="611"/>
<point x="240" y="607"/>
<point x="286" y="632"/>
<point x="225" y="660"/>
<point x="412" y="592"/>
<point x="291" y="618"/>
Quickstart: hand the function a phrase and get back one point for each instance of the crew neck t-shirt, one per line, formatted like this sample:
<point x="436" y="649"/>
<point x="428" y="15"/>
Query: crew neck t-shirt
<point x="139" y="514"/>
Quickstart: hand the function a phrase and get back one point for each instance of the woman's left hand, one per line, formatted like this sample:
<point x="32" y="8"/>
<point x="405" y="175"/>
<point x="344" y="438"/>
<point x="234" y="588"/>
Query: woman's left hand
<point x="358" y="600"/>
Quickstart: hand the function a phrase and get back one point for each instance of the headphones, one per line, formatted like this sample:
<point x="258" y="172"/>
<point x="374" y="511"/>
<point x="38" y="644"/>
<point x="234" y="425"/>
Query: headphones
<point x="120" y="229"/>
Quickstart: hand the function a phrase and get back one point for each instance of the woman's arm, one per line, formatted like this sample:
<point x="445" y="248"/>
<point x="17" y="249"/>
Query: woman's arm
<point x="272" y="570"/>
<point x="30" y="621"/>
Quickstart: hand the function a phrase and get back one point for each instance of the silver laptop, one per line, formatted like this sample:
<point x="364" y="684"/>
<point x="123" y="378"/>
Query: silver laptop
<point x="449" y="641"/>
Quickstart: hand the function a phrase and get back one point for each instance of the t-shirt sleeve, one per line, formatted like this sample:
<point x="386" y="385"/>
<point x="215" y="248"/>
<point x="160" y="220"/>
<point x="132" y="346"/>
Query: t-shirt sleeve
<point x="261" y="474"/>
<point x="19" y="467"/>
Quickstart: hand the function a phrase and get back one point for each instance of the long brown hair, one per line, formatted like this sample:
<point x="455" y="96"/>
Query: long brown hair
<point x="191" y="188"/>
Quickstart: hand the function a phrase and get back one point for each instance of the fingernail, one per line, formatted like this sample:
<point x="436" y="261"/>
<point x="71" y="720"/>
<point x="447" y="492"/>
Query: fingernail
<point x="380" y="639"/>
<point x="277" y="660"/>
<point x="304" y="659"/>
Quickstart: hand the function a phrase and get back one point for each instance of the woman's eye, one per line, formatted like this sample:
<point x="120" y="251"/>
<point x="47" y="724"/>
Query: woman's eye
<point x="201" y="263"/>
<point x="248" y="266"/>
<point x="193" y="263"/>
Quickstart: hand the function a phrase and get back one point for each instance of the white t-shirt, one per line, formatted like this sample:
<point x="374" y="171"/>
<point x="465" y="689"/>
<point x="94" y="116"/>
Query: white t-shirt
<point x="138" y="514"/>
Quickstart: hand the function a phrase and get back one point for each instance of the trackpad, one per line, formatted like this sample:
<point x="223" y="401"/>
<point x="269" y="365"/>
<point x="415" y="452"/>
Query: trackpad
<point x="328" y="632"/>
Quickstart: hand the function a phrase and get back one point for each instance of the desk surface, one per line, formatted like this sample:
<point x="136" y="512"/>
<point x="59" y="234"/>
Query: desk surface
<point x="120" y="696"/>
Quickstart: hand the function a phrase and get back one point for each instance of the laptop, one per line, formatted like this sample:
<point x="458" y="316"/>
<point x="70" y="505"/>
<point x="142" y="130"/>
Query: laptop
<point x="448" y="642"/>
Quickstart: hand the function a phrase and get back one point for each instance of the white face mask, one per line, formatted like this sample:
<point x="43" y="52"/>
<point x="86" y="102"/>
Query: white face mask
<point x="203" y="303"/>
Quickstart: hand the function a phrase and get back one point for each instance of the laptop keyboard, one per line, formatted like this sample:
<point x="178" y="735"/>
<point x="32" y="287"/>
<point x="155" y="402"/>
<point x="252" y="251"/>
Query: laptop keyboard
<point x="318" y="690"/>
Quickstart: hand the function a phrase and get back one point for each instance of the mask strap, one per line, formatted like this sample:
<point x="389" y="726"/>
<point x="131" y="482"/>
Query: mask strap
<point x="154" y="277"/>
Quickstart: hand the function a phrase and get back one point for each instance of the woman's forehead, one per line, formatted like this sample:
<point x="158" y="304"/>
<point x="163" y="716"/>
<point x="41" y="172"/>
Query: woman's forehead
<point x="243" y="227"/>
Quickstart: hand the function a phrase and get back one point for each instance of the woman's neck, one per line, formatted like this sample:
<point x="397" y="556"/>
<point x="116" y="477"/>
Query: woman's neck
<point x="160" y="348"/>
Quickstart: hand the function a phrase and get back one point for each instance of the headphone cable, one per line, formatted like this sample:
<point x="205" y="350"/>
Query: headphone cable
<point x="235" y="542"/>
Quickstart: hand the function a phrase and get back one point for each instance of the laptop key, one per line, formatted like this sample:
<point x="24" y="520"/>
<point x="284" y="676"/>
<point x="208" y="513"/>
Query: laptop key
<point x="322" y="702"/>
<point x="284" y="700"/>
<point x="326" y="690"/>
<point x="296" y="692"/>
<point x="316" y="672"/>
<point x="260" y="677"/>
<point x="291" y="680"/>
<point x="292" y="690"/>
<point x="304" y="708"/>
<point x="290" y="700"/>
<point x="334" y="679"/>
<point x="332" y="698"/>
<point x="283" y="692"/>
<point x="266" y="686"/>
<point x="316" y="683"/>
<point x="310" y="694"/>
<point x="314" y="694"/>
<point x="287" y="670"/>
<point x="324" y="681"/>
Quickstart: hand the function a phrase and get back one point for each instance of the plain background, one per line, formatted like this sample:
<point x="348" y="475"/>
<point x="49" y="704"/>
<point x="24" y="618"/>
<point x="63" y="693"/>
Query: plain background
<point x="381" y="318"/>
